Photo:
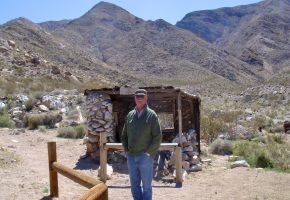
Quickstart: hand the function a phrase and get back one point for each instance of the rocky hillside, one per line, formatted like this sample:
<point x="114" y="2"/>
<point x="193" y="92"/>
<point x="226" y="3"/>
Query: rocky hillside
<point x="33" y="59"/>
<point x="257" y="34"/>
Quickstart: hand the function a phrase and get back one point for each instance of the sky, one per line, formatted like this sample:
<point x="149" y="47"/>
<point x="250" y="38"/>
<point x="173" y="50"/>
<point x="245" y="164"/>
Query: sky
<point x="169" y="10"/>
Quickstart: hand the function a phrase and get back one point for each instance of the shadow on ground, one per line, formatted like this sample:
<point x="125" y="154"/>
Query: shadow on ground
<point x="46" y="198"/>
<point x="86" y="163"/>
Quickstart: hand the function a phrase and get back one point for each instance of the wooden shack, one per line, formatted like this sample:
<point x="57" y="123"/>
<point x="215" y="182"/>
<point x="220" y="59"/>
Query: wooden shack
<point x="178" y="111"/>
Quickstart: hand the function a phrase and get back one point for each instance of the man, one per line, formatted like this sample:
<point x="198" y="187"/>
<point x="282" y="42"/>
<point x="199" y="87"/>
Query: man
<point x="141" y="138"/>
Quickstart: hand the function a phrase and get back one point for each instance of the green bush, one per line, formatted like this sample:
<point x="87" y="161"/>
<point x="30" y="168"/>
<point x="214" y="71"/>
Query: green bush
<point x="253" y="152"/>
<point x="221" y="147"/>
<point x="211" y="127"/>
<point x="5" y="120"/>
<point x="42" y="129"/>
<point x="81" y="131"/>
<point x="273" y="154"/>
<point x="74" y="132"/>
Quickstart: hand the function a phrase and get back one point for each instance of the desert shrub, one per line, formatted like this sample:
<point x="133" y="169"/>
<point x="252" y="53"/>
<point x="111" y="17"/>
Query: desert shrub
<point x="5" y="119"/>
<point x="32" y="121"/>
<point x="211" y="127"/>
<point x="259" y="121"/>
<point x="81" y="131"/>
<point x="30" y="103"/>
<point x="271" y="113"/>
<point x="278" y="138"/>
<point x="230" y="116"/>
<point x="67" y="132"/>
<point x="221" y="147"/>
<point x="279" y="152"/>
<point x="38" y="95"/>
<point x="74" y="132"/>
<point x="42" y="129"/>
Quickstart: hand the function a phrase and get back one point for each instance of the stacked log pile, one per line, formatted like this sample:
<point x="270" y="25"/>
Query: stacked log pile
<point x="190" y="160"/>
<point x="99" y="119"/>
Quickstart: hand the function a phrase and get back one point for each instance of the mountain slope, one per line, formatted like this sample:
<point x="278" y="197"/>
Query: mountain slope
<point x="257" y="34"/>
<point x="32" y="57"/>
<point x="150" y="48"/>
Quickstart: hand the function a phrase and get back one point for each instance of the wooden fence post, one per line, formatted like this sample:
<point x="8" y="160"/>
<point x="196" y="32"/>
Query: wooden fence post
<point x="103" y="157"/>
<point x="179" y="110"/>
<point x="178" y="165"/>
<point x="53" y="180"/>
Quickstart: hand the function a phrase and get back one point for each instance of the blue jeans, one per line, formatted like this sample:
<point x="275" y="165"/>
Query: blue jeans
<point x="140" y="170"/>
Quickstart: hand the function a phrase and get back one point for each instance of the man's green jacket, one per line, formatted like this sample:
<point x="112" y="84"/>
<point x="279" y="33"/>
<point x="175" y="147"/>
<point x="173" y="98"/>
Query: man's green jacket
<point x="143" y="134"/>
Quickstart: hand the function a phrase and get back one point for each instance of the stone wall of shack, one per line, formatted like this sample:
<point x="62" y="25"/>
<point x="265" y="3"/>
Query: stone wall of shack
<point x="99" y="119"/>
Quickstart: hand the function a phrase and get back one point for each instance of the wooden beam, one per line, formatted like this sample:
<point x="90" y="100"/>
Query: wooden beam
<point x="103" y="157"/>
<point x="53" y="179"/>
<point x="178" y="165"/>
<point x="179" y="106"/>
<point x="98" y="192"/>
<point x="76" y="176"/>
<point x="163" y="146"/>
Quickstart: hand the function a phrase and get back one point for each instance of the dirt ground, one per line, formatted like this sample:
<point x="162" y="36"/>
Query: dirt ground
<point x="24" y="174"/>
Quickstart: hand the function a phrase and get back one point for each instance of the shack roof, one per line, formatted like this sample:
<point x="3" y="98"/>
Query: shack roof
<point x="125" y="91"/>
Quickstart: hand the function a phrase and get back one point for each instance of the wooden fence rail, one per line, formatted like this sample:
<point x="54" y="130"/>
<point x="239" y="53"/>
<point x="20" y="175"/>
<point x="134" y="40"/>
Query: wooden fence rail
<point x="104" y="147"/>
<point x="98" y="190"/>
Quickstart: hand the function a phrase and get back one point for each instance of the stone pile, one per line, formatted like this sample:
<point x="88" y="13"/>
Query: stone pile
<point x="190" y="160"/>
<point x="99" y="119"/>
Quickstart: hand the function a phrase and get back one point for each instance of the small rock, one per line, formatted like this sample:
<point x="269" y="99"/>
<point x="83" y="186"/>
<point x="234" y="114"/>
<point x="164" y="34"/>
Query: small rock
<point x="186" y="165"/>
<point x="85" y="140"/>
<point x="11" y="43"/>
<point x="249" y="111"/>
<point x="195" y="160"/>
<point x="108" y="116"/>
<point x="109" y="171"/>
<point x="239" y="163"/>
<point x="43" y="108"/>
<point x="206" y="160"/>
<point x="63" y="110"/>
<point x="233" y="158"/>
<point x="2" y="104"/>
<point x="195" y="168"/>
<point x="184" y="174"/>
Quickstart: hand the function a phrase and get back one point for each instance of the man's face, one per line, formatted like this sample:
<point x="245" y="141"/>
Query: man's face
<point x="141" y="100"/>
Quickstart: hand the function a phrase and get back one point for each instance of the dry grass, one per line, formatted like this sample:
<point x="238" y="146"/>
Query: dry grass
<point x="74" y="132"/>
